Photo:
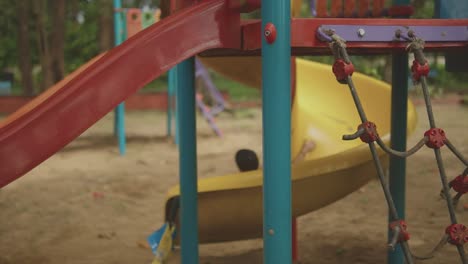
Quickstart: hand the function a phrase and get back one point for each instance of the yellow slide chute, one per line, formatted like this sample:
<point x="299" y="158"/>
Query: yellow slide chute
<point x="230" y="206"/>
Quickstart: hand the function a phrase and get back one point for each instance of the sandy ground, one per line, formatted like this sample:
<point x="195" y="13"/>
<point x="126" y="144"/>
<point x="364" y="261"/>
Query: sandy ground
<point x="87" y="204"/>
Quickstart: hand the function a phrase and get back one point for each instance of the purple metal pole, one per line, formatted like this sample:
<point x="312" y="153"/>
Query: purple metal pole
<point x="208" y="114"/>
<point x="202" y="72"/>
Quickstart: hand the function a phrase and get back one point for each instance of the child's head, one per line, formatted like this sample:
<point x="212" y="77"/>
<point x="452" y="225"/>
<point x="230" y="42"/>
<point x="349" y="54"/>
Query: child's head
<point x="247" y="160"/>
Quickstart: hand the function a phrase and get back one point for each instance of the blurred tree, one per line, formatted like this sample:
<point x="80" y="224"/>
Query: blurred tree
<point x="57" y="40"/>
<point x="40" y="14"/>
<point x="82" y="33"/>
<point x="24" y="47"/>
<point x="44" y="40"/>
<point x="106" y="26"/>
<point x="8" y="29"/>
<point x="423" y="8"/>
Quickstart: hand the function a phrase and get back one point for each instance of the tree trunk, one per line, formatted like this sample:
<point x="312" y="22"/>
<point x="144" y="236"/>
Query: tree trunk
<point x="165" y="6"/>
<point x="42" y="43"/>
<point x="106" y="30"/>
<point x="22" y="8"/>
<point x="58" y="40"/>
<point x="73" y="6"/>
<point x="418" y="4"/>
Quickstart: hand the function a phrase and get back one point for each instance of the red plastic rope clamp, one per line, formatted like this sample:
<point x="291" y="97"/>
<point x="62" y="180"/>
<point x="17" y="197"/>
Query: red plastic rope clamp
<point x="370" y="132"/>
<point x="342" y="70"/>
<point x="435" y="138"/>
<point x="458" y="234"/>
<point x="404" y="234"/>
<point x="419" y="70"/>
<point x="460" y="184"/>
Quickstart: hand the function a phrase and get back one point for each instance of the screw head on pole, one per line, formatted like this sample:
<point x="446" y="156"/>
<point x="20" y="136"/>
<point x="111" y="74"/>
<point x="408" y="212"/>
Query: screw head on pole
<point x="270" y="33"/>
<point x="361" y="32"/>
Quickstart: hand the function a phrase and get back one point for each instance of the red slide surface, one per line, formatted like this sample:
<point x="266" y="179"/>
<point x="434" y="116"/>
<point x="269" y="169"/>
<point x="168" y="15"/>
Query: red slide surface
<point x="45" y="125"/>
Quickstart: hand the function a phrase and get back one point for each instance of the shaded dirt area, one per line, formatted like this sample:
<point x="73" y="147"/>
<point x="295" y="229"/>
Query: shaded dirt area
<point x="87" y="204"/>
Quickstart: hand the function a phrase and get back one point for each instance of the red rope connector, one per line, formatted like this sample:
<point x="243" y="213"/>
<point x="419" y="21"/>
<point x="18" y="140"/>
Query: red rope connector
<point x="342" y="70"/>
<point x="460" y="184"/>
<point x="435" y="138"/>
<point x="404" y="234"/>
<point x="419" y="70"/>
<point x="370" y="132"/>
<point x="458" y="234"/>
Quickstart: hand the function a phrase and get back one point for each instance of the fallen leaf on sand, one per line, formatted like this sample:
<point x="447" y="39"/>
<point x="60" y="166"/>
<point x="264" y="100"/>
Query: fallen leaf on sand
<point x="143" y="244"/>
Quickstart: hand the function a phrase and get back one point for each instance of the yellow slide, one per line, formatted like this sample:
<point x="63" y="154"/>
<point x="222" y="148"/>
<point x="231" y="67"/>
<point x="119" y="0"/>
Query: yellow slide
<point x="230" y="206"/>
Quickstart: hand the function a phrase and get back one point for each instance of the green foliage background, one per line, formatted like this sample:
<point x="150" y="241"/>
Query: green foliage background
<point x="82" y="44"/>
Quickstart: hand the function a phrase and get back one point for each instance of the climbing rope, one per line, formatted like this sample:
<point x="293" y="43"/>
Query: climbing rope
<point x="457" y="233"/>
<point x="435" y="138"/>
<point x="367" y="132"/>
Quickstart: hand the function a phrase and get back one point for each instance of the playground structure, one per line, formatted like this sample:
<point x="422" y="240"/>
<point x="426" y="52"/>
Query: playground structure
<point x="213" y="28"/>
<point x="127" y="23"/>
<point x="229" y="206"/>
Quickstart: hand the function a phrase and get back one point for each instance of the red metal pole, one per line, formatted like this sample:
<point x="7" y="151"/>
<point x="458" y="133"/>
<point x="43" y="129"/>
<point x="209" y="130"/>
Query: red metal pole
<point x="377" y="8"/>
<point x="337" y="8"/>
<point x="350" y="8"/>
<point x="322" y="10"/>
<point x="363" y="9"/>
<point x="295" y="253"/>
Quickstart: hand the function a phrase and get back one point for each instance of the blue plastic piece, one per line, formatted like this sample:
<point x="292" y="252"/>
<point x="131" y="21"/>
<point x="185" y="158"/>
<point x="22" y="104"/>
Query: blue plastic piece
<point x="162" y="243"/>
<point x="276" y="82"/>
<point x="185" y="75"/>
<point x="119" y="117"/>
<point x="155" y="238"/>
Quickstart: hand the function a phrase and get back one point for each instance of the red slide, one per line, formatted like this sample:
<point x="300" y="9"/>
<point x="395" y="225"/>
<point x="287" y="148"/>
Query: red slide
<point x="52" y="120"/>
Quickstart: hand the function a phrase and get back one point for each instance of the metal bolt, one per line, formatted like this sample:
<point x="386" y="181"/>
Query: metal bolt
<point x="398" y="33"/>
<point x="361" y="32"/>
<point x="271" y="232"/>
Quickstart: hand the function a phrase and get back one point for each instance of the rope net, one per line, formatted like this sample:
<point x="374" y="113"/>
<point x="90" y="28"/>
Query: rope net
<point x="435" y="138"/>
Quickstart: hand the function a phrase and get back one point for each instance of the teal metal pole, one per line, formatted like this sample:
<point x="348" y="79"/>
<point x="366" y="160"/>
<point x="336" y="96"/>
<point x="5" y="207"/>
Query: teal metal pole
<point x="118" y="39"/>
<point x="119" y="113"/>
<point x="170" y="103"/>
<point x="451" y="9"/>
<point x="399" y="112"/>
<point x="185" y="75"/>
<point x="397" y="179"/>
<point x="276" y="83"/>
<point x="176" y="116"/>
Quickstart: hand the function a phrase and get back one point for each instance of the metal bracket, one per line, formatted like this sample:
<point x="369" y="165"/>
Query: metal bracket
<point x="365" y="33"/>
